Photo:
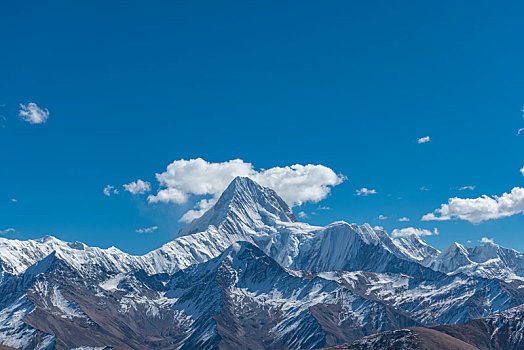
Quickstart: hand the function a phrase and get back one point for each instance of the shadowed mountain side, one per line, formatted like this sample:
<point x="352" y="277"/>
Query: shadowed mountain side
<point x="503" y="331"/>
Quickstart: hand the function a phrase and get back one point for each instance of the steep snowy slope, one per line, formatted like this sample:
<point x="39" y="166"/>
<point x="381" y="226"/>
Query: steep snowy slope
<point x="415" y="248"/>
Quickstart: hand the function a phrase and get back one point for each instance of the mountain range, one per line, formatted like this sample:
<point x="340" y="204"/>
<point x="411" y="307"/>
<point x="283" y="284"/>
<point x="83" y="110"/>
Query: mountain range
<point x="248" y="275"/>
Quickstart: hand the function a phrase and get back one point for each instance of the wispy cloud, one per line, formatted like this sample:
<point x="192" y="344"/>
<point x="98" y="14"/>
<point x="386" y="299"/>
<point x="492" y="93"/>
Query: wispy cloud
<point x="487" y="240"/>
<point x="476" y="210"/>
<point x="424" y="188"/>
<point x="409" y="231"/>
<point x="14" y="200"/>
<point x="147" y="229"/>
<point x="365" y="192"/>
<point x="138" y="187"/>
<point x="33" y="114"/>
<point x="403" y="219"/>
<point x="302" y="214"/>
<point x="520" y="131"/>
<point x="424" y="139"/>
<point x="110" y="190"/>
<point x="463" y="188"/>
<point x="382" y="217"/>
<point x="7" y="230"/>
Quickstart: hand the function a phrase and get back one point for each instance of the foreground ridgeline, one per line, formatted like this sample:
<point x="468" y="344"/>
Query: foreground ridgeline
<point x="500" y="331"/>
<point x="248" y="275"/>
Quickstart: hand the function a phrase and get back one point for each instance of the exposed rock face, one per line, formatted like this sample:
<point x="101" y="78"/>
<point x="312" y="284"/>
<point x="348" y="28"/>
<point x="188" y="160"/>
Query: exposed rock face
<point x="504" y="331"/>
<point x="248" y="275"/>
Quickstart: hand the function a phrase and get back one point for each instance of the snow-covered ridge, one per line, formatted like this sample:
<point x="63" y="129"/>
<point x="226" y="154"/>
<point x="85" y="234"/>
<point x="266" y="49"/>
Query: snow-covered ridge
<point x="488" y="261"/>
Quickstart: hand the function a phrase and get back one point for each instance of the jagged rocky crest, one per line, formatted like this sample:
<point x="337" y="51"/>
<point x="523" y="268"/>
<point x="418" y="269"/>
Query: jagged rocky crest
<point x="247" y="275"/>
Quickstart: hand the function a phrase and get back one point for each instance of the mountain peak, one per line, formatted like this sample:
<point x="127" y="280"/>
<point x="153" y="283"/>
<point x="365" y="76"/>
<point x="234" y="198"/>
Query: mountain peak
<point x="243" y="202"/>
<point x="242" y="181"/>
<point x="455" y="249"/>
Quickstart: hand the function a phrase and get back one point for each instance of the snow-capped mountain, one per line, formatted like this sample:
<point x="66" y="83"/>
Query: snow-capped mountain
<point x="489" y="261"/>
<point x="246" y="275"/>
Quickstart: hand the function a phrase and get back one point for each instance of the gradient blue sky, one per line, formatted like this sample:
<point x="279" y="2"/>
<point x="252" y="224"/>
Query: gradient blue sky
<point x="132" y="86"/>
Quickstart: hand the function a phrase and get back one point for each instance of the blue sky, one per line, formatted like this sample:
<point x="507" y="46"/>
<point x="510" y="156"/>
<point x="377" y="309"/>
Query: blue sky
<point x="131" y="88"/>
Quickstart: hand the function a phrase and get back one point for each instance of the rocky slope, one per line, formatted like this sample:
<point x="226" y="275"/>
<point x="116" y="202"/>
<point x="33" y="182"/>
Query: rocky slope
<point x="504" y="331"/>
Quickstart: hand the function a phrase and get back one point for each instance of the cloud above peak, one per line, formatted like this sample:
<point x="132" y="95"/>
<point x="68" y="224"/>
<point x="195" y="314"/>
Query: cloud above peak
<point x="476" y="210"/>
<point x="7" y="231"/>
<point x="409" y="231"/>
<point x="487" y="240"/>
<point x="33" y="114"/>
<point x="296" y="184"/>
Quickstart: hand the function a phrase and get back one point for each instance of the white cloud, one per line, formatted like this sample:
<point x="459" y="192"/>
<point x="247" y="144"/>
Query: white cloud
<point x="296" y="184"/>
<point x="382" y="217"/>
<point x="463" y="188"/>
<point x="403" y="219"/>
<point x="476" y="210"/>
<point x="138" y="187"/>
<point x="14" y="200"/>
<point x="408" y="231"/>
<point x="200" y="208"/>
<point x="424" y="188"/>
<point x="487" y="240"/>
<point x="520" y="131"/>
<point x="321" y="207"/>
<point x="109" y="190"/>
<point x="7" y="230"/>
<point x="147" y="229"/>
<point x="302" y="215"/>
<point x="522" y="171"/>
<point x="365" y="192"/>
<point x="424" y="139"/>
<point x="379" y="228"/>
<point x="33" y="114"/>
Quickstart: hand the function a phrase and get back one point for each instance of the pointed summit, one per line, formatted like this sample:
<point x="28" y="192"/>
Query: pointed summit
<point x="243" y="203"/>
<point x="415" y="247"/>
<point x="453" y="257"/>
